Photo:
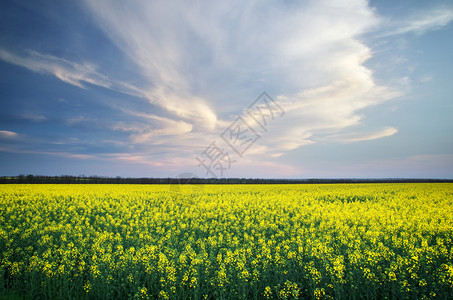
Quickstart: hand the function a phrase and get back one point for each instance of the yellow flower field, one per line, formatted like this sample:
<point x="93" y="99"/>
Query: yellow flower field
<point x="342" y="241"/>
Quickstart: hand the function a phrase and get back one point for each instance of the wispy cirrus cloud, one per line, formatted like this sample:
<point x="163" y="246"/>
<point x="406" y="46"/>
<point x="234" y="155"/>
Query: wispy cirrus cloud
<point x="140" y="133"/>
<point x="366" y="136"/>
<point x="80" y="74"/>
<point x="419" y="22"/>
<point x="19" y="149"/>
<point x="65" y="70"/>
<point x="34" y="117"/>
<point x="6" y="134"/>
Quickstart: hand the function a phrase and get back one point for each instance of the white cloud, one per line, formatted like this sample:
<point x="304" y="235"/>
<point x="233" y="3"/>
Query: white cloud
<point x="426" y="78"/>
<point x="67" y="71"/>
<point x="189" y="107"/>
<point x="34" y="118"/>
<point x="17" y="150"/>
<point x="367" y="136"/>
<point x="155" y="35"/>
<point x="144" y="133"/>
<point x="419" y="22"/>
<point x="431" y="20"/>
<point x="6" y="134"/>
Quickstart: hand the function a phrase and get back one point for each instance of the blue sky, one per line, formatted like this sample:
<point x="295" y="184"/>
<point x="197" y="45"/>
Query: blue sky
<point x="159" y="88"/>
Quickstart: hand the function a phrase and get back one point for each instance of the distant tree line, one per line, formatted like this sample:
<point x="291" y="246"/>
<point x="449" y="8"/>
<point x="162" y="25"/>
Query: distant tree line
<point x="65" y="179"/>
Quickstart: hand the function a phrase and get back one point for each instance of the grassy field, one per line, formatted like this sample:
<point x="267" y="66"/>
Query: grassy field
<point x="343" y="241"/>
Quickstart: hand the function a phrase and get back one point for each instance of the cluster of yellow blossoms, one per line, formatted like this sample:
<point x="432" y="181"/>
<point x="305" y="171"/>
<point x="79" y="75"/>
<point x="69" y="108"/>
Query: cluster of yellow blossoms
<point x="374" y="241"/>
